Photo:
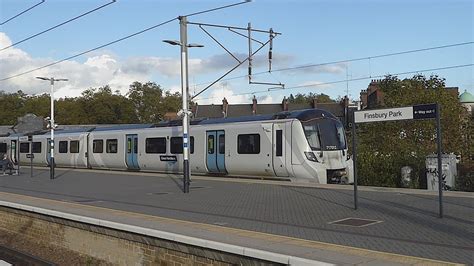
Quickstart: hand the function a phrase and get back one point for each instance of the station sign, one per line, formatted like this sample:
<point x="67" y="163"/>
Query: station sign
<point x="424" y="111"/>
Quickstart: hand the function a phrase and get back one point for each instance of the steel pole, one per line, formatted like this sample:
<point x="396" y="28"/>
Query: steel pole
<point x="354" y="160"/>
<point x="185" y="96"/>
<point x="52" y="130"/>
<point x="440" y="167"/>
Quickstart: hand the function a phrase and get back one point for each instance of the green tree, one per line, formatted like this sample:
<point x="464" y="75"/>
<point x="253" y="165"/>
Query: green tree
<point x="11" y="107"/>
<point x="385" y="147"/>
<point x="101" y="106"/>
<point x="150" y="103"/>
<point x="39" y="105"/>
<point x="308" y="98"/>
<point x="146" y="103"/>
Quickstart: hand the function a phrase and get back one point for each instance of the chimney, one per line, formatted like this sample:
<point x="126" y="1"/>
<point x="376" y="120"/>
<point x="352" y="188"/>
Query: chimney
<point x="225" y="105"/>
<point x="194" y="109"/>
<point x="345" y="101"/>
<point x="314" y="103"/>
<point x="254" y="105"/>
<point x="284" y="103"/>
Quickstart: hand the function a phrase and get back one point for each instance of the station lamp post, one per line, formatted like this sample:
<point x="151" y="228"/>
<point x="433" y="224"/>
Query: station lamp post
<point x="185" y="95"/>
<point x="52" y="125"/>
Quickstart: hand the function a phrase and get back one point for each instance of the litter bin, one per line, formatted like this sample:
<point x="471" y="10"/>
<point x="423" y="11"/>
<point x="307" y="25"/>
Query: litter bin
<point x="449" y="172"/>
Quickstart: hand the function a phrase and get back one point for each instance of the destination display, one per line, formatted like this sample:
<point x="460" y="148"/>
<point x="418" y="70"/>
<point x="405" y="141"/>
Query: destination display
<point x="424" y="111"/>
<point x="168" y="158"/>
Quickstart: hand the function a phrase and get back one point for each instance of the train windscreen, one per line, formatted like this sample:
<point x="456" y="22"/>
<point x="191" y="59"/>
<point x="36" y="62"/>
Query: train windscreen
<point x="324" y="134"/>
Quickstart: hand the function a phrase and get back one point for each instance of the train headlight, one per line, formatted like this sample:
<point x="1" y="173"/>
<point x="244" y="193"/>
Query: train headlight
<point x="310" y="156"/>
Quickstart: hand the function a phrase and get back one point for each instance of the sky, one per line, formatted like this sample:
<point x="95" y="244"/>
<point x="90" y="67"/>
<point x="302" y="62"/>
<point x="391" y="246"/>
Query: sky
<point x="312" y="32"/>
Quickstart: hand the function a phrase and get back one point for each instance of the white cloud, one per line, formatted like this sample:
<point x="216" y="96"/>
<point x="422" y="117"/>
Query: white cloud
<point x="96" y="71"/>
<point x="312" y="69"/>
<point x="105" y="68"/>
<point x="227" y="91"/>
<point x="174" y="89"/>
<point x="265" y="99"/>
<point x="217" y="94"/>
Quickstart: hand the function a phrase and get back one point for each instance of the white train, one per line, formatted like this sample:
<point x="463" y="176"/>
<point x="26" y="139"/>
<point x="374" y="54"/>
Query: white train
<point x="298" y="145"/>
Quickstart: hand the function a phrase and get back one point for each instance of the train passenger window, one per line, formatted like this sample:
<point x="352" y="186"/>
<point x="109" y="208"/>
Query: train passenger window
<point x="74" y="146"/>
<point x="36" y="147"/>
<point x="279" y="143"/>
<point x="98" y="146"/>
<point x="176" y="145"/>
<point x="3" y="148"/>
<point x="63" y="147"/>
<point x="155" y="145"/>
<point x="135" y="145"/>
<point x="24" y="147"/>
<point x="248" y="144"/>
<point x="210" y="144"/>
<point x="221" y="144"/>
<point x="129" y="145"/>
<point x="112" y="145"/>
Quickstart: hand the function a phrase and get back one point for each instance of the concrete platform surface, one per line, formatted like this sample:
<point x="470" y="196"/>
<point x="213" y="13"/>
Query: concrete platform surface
<point x="279" y="217"/>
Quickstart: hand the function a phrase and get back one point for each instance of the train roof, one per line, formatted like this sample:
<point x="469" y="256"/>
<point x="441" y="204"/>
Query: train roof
<point x="123" y="127"/>
<point x="302" y="115"/>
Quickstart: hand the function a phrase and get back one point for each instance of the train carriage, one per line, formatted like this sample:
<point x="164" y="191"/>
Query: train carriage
<point x="298" y="145"/>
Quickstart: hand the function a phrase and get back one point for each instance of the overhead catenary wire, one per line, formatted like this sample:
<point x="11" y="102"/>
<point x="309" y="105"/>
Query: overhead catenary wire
<point x="116" y="41"/>
<point x="217" y="8"/>
<point x="350" y="60"/>
<point x="347" y="80"/>
<point x="58" y="25"/>
<point x="21" y="13"/>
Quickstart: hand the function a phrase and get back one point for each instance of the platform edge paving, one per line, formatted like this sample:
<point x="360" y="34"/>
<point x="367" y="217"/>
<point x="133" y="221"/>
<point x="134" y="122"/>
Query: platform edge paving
<point x="240" y="250"/>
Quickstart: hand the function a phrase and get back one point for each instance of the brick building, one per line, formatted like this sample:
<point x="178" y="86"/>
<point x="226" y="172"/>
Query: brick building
<point x="373" y="96"/>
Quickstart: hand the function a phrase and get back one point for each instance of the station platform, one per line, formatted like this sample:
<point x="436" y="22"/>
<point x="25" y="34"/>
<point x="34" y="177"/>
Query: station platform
<point x="297" y="223"/>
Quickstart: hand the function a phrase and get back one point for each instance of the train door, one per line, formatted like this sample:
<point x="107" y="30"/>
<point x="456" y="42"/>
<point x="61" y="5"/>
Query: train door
<point x="216" y="151"/>
<point x="14" y="151"/>
<point x="48" y="151"/>
<point x="132" y="152"/>
<point x="279" y="150"/>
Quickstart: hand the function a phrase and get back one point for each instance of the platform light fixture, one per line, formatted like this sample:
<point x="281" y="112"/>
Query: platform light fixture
<point x="183" y="43"/>
<point x="52" y="125"/>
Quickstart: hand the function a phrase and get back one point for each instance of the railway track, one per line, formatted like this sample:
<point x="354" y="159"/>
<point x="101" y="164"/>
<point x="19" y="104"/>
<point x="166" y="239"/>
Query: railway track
<point x="16" y="257"/>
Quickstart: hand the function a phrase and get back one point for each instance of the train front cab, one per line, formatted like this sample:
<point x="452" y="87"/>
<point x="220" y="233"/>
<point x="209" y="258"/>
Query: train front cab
<point x="319" y="150"/>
